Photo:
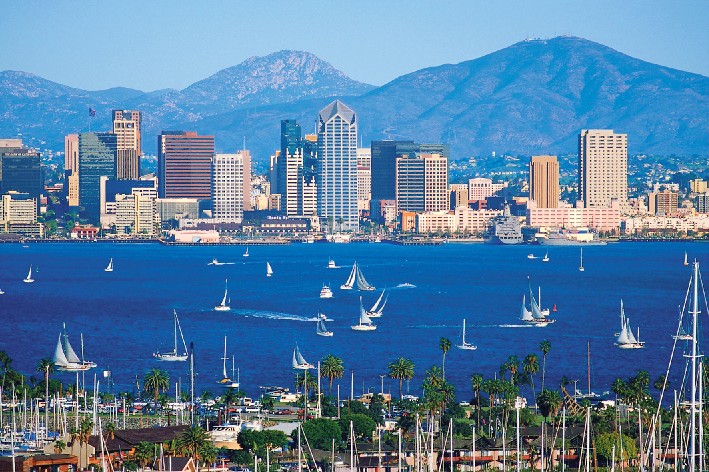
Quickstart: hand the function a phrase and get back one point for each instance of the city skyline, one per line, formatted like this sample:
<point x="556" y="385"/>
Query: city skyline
<point x="660" y="33"/>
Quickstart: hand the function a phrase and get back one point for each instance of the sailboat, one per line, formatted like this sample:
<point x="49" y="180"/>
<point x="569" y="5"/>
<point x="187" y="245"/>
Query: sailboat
<point x="173" y="355"/>
<point x="682" y="334"/>
<point x="321" y="330"/>
<point x="356" y="277"/>
<point x="28" y="279"/>
<point x="269" y="271"/>
<point x="224" y="305"/>
<point x="581" y="269"/>
<point x="65" y="357"/>
<point x="378" y="308"/>
<point x="465" y="345"/>
<point x="546" y="257"/>
<point x="535" y="315"/>
<point x="365" y="323"/>
<point x="109" y="267"/>
<point x="246" y="253"/>
<point x="626" y="339"/>
<point x="299" y="361"/>
<point x="226" y="381"/>
<point x="686" y="262"/>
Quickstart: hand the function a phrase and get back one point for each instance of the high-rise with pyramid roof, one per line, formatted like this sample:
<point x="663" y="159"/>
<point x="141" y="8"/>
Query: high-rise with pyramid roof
<point x="337" y="166"/>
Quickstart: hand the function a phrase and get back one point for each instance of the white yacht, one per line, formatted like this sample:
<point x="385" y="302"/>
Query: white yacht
<point x="325" y="291"/>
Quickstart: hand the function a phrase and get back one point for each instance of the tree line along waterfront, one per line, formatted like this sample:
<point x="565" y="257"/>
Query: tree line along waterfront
<point x="480" y="421"/>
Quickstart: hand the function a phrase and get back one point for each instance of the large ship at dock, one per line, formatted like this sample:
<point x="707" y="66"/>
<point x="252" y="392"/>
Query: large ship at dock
<point x="576" y="237"/>
<point x="505" y="229"/>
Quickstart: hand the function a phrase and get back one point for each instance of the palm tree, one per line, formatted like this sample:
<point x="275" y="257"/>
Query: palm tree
<point x="477" y="381"/>
<point x="300" y="381"/>
<point x="331" y="367"/>
<point x="530" y="366"/>
<point x="401" y="369"/>
<point x="143" y="453"/>
<point x="545" y="347"/>
<point x="157" y="380"/>
<point x="549" y="403"/>
<point x="86" y="427"/>
<point x="5" y="362"/>
<point x="445" y="345"/>
<point x="110" y="431"/>
<point x="192" y="442"/>
<point x="229" y="398"/>
<point x="511" y="365"/>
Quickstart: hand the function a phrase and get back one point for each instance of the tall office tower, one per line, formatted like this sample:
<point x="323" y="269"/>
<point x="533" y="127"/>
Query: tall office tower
<point x="337" y="166"/>
<point x="21" y="171"/>
<point x="422" y="183"/>
<point x="603" y="167"/>
<point x="383" y="167"/>
<point x="364" y="178"/>
<point x="544" y="181"/>
<point x="246" y="162"/>
<point x="185" y="165"/>
<point x="308" y="191"/>
<point x="126" y="127"/>
<point x="97" y="158"/>
<point x="71" y="169"/>
<point x="228" y="186"/>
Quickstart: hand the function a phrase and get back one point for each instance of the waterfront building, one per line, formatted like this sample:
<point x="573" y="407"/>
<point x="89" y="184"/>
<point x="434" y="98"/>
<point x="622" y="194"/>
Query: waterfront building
<point x="71" y="169"/>
<point x="337" y="166"/>
<point x="228" y="174"/>
<point x="126" y="127"/>
<point x="364" y="178"/>
<point x="18" y="215"/>
<point x="663" y="203"/>
<point x="112" y="190"/>
<point x="97" y="158"/>
<point x="383" y="212"/>
<point x="185" y="165"/>
<point x="308" y="186"/>
<point x="136" y="214"/>
<point x="603" y="167"/>
<point x="462" y="220"/>
<point x="171" y="210"/>
<point x="422" y="183"/>
<point x="544" y="181"/>
<point x="383" y="166"/>
<point x="458" y="195"/>
<point x="21" y="171"/>
<point x="567" y="216"/>
<point x="649" y="225"/>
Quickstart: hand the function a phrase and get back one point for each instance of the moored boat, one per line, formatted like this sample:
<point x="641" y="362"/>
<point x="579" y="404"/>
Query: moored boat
<point x="174" y="356"/>
<point x="626" y="339"/>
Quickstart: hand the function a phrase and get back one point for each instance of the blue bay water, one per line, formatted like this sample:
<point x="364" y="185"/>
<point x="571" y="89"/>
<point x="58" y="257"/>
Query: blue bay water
<point x="126" y="315"/>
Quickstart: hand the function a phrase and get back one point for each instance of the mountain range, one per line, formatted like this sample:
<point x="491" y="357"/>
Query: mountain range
<point x="529" y="98"/>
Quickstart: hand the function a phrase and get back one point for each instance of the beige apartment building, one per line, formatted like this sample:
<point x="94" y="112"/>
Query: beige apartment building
<point x="603" y="167"/>
<point x="126" y="127"/>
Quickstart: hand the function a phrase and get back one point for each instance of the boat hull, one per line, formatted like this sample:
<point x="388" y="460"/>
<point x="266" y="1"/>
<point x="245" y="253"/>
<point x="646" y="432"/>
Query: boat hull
<point x="222" y="308"/>
<point x="170" y="357"/>
<point x="631" y="345"/>
<point x="326" y="295"/>
<point x="363" y="328"/>
<point x="326" y="334"/>
<point x="467" y="347"/>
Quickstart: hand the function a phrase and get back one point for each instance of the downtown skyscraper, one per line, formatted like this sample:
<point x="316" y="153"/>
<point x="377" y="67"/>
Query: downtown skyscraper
<point x="603" y="167"/>
<point x="185" y="165"/>
<point x="337" y="166"/>
<point x="126" y="127"/>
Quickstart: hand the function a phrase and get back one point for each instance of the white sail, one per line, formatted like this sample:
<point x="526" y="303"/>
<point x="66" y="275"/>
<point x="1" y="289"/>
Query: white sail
<point x="224" y="305"/>
<point x="629" y="332"/>
<point x="299" y="356"/>
<point x="109" y="267"/>
<point x="349" y="284"/>
<point x="375" y="307"/>
<point x="363" y="318"/>
<point x="69" y="351"/>
<point x="526" y="315"/>
<point x="29" y="278"/>
<point x="686" y="262"/>
<point x="59" y="357"/>
<point x="295" y="361"/>
<point x="269" y="271"/>
<point x="224" y="376"/>
<point x="362" y="283"/>
<point x="299" y="361"/>
<point x="536" y="311"/>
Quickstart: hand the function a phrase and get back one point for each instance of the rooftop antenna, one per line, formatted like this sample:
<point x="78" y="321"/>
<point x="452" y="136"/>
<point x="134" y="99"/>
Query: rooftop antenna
<point x="244" y="143"/>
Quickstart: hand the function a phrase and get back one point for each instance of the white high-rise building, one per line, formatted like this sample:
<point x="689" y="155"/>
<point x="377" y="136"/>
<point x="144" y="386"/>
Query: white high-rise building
<point x="228" y="186"/>
<point x="364" y="178"/>
<point x="337" y="166"/>
<point x="603" y="167"/>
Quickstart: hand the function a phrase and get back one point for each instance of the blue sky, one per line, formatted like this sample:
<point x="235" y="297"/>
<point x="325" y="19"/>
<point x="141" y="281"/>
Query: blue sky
<point x="155" y="44"/>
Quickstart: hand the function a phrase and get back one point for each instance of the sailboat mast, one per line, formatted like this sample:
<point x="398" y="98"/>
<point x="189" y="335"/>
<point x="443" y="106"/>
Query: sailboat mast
<point x="175" y="321"/>
<point x="589" y="366"/>
<point x="224" y="359"/>
<point x="463" y="331"/>
<point x="693" y="410"/>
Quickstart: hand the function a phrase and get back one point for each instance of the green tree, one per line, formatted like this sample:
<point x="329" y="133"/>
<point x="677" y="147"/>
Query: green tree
<point x="477" y="381"/>
<point x="192" y="442"/>
<point x="306" y="381"/>
<point x="436" y="391"/>
<point x="604" y="446"/>
<point x="228" y="398"/>
<point x="530" y="366"/>
<point x="320" y="433"/>
<point x="144" y="453"/>
<point x="445" y="345"/>
<point x="511" y="365"/>
<point x="331" y="367"/>
<point x="109" y="430"/>
<point x="363" y="425"/>
<point x="156" y="380"/>
<point x="545" y="347"/>
<point x="549" y="403"/>
<point x="401" y="369"/>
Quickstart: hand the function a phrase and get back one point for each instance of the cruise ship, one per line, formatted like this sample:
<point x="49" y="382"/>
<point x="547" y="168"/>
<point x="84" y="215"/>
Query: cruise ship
<point x="505" y="229"/>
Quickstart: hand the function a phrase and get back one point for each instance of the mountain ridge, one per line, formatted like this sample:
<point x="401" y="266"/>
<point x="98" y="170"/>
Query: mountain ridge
<point x="531" y="97"/>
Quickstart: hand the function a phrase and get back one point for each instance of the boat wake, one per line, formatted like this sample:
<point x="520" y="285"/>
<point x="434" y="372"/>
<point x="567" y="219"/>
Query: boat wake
<point x="405" y="285"/>
<point x="511" y="326"/>
<point x="272" y="315"/>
